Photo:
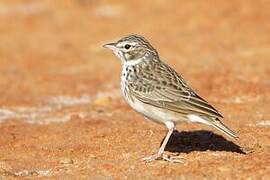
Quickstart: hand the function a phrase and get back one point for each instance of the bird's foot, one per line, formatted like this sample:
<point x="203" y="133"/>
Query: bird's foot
<point x="173" y="159"/>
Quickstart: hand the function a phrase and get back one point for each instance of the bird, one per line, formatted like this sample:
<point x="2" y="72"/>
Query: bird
<point x="158" y="92"/>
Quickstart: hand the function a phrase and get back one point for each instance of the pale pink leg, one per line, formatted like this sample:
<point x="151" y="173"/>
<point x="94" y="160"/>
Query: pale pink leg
<point x="159" y="155"/>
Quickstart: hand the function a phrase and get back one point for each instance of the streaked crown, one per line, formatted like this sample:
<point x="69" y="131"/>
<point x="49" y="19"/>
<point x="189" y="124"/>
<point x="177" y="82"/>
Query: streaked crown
<point x="133" y="47"/>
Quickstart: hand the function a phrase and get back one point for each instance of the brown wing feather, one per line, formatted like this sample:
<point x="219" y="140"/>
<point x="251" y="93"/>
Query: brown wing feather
<point x="167" y="89"/>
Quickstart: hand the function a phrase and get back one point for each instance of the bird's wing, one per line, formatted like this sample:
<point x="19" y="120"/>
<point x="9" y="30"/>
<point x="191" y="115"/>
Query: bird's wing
<point x="162" y="87"/>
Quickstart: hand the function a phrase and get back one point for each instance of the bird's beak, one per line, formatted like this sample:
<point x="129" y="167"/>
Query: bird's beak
<point x="111" y="46"/>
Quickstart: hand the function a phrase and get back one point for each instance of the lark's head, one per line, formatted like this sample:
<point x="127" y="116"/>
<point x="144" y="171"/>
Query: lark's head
<point x="133" y="48"/>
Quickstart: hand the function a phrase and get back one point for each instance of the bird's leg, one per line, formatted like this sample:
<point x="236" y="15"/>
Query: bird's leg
<point x="159" y="155"/>
<point x="170" y="126"/>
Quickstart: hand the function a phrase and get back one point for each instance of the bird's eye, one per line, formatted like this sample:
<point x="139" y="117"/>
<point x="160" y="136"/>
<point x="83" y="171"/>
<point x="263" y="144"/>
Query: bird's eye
<point x="127" y="46"/>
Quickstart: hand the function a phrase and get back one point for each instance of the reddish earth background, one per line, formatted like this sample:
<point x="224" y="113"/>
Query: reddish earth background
<point x="61" y="112"/>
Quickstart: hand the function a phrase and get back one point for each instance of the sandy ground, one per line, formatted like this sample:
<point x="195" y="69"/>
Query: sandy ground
<point x="61" y="112"/>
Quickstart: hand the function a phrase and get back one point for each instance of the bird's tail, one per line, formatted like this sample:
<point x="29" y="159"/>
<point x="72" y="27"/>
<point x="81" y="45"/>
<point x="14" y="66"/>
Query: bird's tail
<point x="223" y="128"/>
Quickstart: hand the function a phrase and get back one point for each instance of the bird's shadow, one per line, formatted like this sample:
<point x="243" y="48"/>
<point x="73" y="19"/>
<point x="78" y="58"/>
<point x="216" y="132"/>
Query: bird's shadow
<point x="186" y="142"/>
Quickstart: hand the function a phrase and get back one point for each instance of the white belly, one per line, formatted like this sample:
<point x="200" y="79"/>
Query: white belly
<point x="154" y="113"/>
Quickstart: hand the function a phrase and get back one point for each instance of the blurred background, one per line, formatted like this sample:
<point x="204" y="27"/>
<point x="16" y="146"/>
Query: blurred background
<point x="60" y="105"/>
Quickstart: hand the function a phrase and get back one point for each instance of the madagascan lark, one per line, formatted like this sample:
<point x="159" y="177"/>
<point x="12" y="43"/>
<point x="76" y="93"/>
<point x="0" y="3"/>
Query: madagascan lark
<point x="158" y="92"/>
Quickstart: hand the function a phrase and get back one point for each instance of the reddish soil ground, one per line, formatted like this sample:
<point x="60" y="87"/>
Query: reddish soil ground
<point x="61" y="112"/>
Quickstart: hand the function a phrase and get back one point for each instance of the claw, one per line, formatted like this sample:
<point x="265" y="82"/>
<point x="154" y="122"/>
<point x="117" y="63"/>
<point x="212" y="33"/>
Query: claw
<point x="173" y="159"/>
<point x="163" y="157"/>
<point x="152" y="158"/>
